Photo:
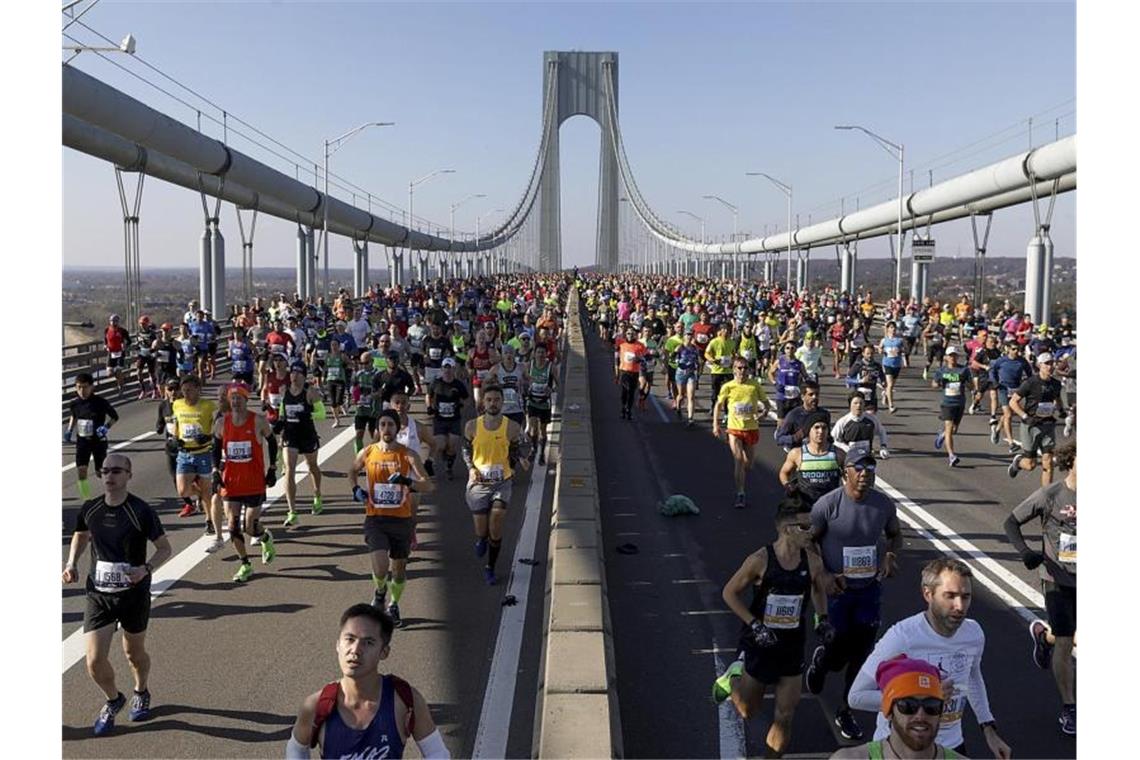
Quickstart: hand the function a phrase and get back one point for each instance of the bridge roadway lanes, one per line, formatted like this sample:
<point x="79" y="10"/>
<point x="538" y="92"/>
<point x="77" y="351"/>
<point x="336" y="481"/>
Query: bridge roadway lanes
<point x="231" y="663"/>
<point x="666" y="641"/>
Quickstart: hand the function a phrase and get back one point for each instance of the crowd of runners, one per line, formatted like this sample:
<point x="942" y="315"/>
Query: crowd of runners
<point x="484" y="355"/>
<point x="761" y="352"/>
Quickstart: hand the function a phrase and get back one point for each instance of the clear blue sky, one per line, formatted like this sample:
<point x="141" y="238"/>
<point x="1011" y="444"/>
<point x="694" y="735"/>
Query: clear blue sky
<point x="707" y="92"/>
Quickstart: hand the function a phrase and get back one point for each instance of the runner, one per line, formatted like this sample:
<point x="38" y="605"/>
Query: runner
<point x="912" y="701"/>
<point x="792" y="433"/>
<point x="511" y="376"/>
<point x="943" y="636"/>
<point x="892" y="349"/>
<point x="787" y="373"/>
<point x="446" y="395"/>
<point x="242" y="477"/>
<point x="492" y="447"/>
<point x="1055" y="505"/>
<point x="629" y="354"/>
<point x="648" y="365"/>
<point x="1008" y="372"/>
<point x="814" y="467"/>
<point x="781" y="576"/>
<point x="364" y="714"/>
<point x="866" y="375"/>
<point x="934" y="337"/>
<point x="194" y="420"/>
<point x="115" y="342"/>
<point x="117" y="525"/>
<point x="742" y="397"/>
<point x="688" y="360"/>
<point x="166" y="426"/>
<point x="366" y="394"/>
<point x="719" y="354"/>
<point x="981" y="360"/>
<point x="859" y="426"/>
<point x="300" y="405"/>
<point x="1036" y="402"/>
<point x="145" y="363"/>
<point x="847" y="524"/>
<point x="165" y="351"/>
<point x="540" y="385"/>
<point x="952" y="378"/>
<point x="335" y="378"/>
<point x="91" y="419"/>
<point x="395" y="474"/>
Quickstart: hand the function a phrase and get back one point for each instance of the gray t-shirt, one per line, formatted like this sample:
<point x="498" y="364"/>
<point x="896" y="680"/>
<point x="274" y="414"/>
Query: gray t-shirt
<point x="850" y="533"/>
<point x="1056" y="506"/>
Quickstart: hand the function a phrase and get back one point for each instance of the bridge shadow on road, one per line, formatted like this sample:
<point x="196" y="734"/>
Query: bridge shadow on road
<point x="202" y="611"/>
<point x="162" y="719"/>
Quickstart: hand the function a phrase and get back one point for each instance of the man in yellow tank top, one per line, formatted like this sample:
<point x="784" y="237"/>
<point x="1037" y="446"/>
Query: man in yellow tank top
<point x="395" y="473"/>
<point x="194" y="466"/>
<point x="492" y="446"/>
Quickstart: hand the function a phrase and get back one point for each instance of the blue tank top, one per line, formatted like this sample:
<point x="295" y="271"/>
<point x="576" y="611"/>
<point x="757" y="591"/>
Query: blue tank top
<point x="789" y="374"/>
<point x="380" y="739"/>
<point x="892" y="352"/>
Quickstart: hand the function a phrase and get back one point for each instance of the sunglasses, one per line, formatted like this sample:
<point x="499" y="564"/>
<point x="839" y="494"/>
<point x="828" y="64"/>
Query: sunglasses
<point x="113" y="470"/>
<point x="800" y="527"/>
<point x="862" y="467"/>
<point x="910" y="705"/>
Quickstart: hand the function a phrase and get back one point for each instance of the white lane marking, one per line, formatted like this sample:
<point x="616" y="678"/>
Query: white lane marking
<point x="707" y="612"/>
<point x="75" y="646"/>
<point x="731" y="726"/>
<point x="659" y="407"/>
<point x="116" y="447"/>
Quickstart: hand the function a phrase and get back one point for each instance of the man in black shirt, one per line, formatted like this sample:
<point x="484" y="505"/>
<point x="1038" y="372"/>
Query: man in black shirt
<point x="398" y="379"/>
<point x="118" y="526"/>
<point x="1037" y="402"/>
<point x="91" y="419"/>
<point x="445" y="403"/>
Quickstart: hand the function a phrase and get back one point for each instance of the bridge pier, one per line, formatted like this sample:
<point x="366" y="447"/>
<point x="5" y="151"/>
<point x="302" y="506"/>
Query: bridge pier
<point x="847" y="262"/>
<point x="769" y="270"/>
<point x="802" y="269"/>
<point x="218" y="273"/>
<point x="359" y="268"/>
<point x="1038" y="277"/>
<point x="311" y="263"/>
<point x="302" y="269"/>
<point x="919" y="273"/>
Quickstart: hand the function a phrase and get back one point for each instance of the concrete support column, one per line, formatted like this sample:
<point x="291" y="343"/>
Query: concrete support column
<point x="205" y="270"/>
<point x="769" y="270"/>
<point x="802" y="270"/>
<point x="1035" y="275"/>
<point x="218" y="274"/>
<point x="422" y="266"/>
<point x="919" y="273"/>
<point x="310" y="263"/>
<point x="1047" y="284"/>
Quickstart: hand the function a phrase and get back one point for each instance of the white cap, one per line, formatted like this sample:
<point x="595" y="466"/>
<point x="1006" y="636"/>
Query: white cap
<point x="952" y="350"/>
<point x="448" y="362"/>
<point x="1044" y="356"/>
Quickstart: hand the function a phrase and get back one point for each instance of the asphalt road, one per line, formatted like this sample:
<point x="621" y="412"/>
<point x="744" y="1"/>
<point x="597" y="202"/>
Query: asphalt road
<point x="673" y="633"/>
<point x="232" y="662"/>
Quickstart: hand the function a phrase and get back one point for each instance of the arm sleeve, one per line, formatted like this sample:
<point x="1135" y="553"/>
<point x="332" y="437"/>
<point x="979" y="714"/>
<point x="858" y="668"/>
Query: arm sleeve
<point x="976" y="693"/>
<point x="1021" y="514"/>
<point x="881" y="432"/>
<point x="160" y="425"/>
<point x="785" y="435"/>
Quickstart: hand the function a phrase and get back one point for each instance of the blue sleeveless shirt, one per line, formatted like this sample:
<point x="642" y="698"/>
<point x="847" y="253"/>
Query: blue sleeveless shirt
<point x="381" y="739"/>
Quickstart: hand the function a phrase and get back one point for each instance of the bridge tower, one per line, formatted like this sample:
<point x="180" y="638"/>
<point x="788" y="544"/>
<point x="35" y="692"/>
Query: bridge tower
<point x="579" y="88"/>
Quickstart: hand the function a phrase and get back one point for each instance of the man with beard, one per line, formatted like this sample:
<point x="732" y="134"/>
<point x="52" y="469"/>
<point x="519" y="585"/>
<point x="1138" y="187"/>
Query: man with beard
<point x="912" y="702"/>
<point x="944" y="636"/>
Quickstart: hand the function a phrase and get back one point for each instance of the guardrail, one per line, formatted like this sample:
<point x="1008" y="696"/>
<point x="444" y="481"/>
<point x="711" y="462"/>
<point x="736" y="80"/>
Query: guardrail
<point x="577" y="681"/>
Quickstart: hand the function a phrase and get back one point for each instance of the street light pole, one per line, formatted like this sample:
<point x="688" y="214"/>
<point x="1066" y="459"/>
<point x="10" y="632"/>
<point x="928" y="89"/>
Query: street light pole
<point x="411" y="193"/>
<point x="734" y="210"/>
<point x="335" y="145"/>
<point x="457" y="205"/>
<point x="702" y="223"/>
<point x="787" y="190"/>
<point x="899" y="152"/>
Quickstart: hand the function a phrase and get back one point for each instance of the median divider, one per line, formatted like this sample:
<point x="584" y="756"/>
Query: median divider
<point x="576" y="710"/>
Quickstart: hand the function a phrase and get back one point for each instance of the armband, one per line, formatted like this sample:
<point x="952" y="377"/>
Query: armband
<point x="319" y="411"/>
<point x="432" y="747"/>
<point x="294" y="750"/>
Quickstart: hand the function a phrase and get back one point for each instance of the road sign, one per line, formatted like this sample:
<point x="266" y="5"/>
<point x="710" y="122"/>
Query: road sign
<point x="922" y="251"/>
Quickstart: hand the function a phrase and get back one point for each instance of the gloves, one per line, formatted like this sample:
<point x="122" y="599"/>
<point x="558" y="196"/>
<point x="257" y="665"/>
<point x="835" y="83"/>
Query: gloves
<point x="271" y="477"/>
<point x="884" y="453"/>
<point x="67" y="436"/>
<point x="762" y="636"/>
<point x="358" y="494"/>
<point x="102" y="431"/>
<point x="1032" y="559"/>
<point x="397" y="479"/>
<point x="825" y="631"/>
<point x="429" y="465"/>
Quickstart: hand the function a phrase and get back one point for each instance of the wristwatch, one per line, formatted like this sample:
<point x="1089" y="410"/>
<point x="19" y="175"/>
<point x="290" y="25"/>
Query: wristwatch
<point x="149" y="569"/>
<point x="988" y="724"/>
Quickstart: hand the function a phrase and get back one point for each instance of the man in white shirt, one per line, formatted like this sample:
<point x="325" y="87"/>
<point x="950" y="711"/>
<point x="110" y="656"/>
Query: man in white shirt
<point x="944" y="636"/>
<point x="358" y="327"/>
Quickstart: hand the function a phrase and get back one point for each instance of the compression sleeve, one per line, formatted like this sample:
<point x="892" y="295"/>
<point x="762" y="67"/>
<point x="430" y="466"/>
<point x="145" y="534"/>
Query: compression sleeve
<point x="271" y="443"/>
<point x="468" y="453"/>
<point x="294" y="750"/>
<point x="216" y="453"/>
<point x="1013" y="533"/>
<point x="432" y="747"/>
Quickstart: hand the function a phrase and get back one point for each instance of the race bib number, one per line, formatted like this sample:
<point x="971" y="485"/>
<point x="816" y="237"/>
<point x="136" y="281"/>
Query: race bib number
<point x="191" y="430"/>
<point x="112" y="577"/>
<point x="629" y="357"/>
<point x="538" y="389"/>
<point x="952" y="712"/>
<point x="277" y="348"/>
<point x="892" y="351"/>
<point x="435" y="353"/>
<point x="239" y="451"/>
<point x="431" y="374"/>
<point x="867" y="392"/>
<point x="726" y="361"/>
<point x="748" y="354"/>
<point x="1067" y="548"/>
<point x="85" y="428"/>
<point x="492" y="473"/>
<point x="510" y="397"/>
<point x="238" y="365"/>
<point x="322" y="353"/>
<point x="293" y="411"/>
<point x="335" y="373"/>
<point x="482" y="374"/>
<point x="144" y="351"/>
<point x="860" y="562"/>
<point x="387" y="495"/>
<point x="417" y="343"/>
<point x="116" y="354"/>
<point x="446" y="408"/>
<point x="171" y="429"/>
<point x="954" y="389"/>
<point x="782" y="611"/>
<point x="744" y="409"/>
<point x="275" y="400"/>
<point x="164" y="356"/>
<point x="791" y="391"/>
<point x="702" y="338"/>
<point x="1045" y="409"/>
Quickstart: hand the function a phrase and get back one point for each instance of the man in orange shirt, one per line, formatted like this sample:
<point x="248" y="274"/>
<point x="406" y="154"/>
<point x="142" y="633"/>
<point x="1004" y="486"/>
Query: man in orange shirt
<point x="627" y="369"/>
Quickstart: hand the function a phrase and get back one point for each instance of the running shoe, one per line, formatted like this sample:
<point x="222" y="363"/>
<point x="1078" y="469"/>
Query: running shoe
<point x="926" y="373"/>
<point x="1068" y="720"/>
<point x="142" y="395"/>
<point x="1068" y="431"/>
<point x="489" y="576"/>
<point x="939" y="440"/>
<point x="209" y="529"/>
<point x="268" y="550"/>
<point x="995" y="432"/>
<point x="214" y="545"/>
<point x="243" y="573"/>
<point x="106" y="720"/>
<point x="1015" y="466"/>
<point x="255" y="541"/>
<point x="290" y="519"/>
<point x="816" y="673"/>
<point x="378" y="599"/>
<point x="973" y="407"/>
<point x="722" y="686"/>
<point x="1042" y="649"/>
<point x="480" y="547"/>
<point x="955" y="460"/>
<point x="187" y="510"/>
<point x="739" y="503"/>
<point x="847" y="726"/>
<point x="140" y="705"/>
<point x="318" y="507"/>
<point x="394" y="612"/>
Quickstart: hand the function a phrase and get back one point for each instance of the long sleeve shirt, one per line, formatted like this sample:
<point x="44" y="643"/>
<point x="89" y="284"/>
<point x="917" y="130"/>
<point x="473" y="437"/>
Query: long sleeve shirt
<point x="848" y="429"/>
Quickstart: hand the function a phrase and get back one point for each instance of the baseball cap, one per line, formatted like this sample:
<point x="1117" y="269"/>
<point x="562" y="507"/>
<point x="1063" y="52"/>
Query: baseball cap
<point x="859" y="453"/>
<point x="1044" y="356"/>
<point x="952" y="350"/>
<point x="298" y="367"/>
<point x="448" y="362"/>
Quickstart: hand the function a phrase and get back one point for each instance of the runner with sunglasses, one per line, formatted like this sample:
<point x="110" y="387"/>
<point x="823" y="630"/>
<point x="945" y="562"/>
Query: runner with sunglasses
<point x="943" y="636"/>
<point x="743" y="396"/>
<point x="1037" y="402"/>
<point x="912" y="702"/>
<point x="848" y="524"/>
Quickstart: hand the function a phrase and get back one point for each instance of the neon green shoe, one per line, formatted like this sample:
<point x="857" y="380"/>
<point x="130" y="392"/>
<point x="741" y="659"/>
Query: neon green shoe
<point x="318" y="507"/>
<point x="722" y="687"/>
<point x="268" y="550"/>
<point x="290" y="519"/>
<point x="243" y="573"/>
